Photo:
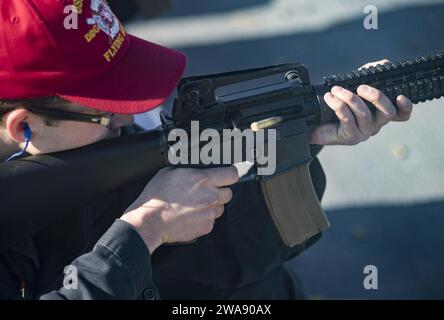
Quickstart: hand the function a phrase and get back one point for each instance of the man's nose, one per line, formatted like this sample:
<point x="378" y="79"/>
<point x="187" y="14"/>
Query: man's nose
<point x="121" y="120"/>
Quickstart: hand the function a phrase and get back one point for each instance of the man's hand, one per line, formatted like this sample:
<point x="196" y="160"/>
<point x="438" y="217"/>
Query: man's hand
<point x="180" y="205"/>
<point x="357" y="123"/>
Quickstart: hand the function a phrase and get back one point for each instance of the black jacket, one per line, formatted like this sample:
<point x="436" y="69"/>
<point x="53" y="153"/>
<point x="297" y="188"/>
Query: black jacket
<point x="238" y="259"/>
<point x="118" y="267"/>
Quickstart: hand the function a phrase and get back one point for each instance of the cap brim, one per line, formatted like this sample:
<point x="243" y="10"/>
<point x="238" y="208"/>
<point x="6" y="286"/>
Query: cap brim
<point x="143" y="79"/>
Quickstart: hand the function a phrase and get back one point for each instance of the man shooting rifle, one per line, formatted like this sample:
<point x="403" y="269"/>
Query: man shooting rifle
<point x="65" y="89"/>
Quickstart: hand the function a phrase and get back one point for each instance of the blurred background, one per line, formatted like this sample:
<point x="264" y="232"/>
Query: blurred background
<point x="384" y="197"/>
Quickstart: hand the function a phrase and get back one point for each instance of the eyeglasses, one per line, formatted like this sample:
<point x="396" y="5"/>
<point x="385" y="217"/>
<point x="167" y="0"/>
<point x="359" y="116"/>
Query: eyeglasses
<point x="102" y="119"/>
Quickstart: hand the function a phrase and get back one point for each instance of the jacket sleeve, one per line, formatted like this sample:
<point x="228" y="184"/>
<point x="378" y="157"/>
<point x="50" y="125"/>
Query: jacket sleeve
<point x="315" y="149"/>
<point x="119" y="267"/>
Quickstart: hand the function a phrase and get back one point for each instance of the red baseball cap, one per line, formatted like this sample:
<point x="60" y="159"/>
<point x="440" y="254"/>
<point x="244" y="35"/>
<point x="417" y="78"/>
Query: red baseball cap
<point x="79" y="50"/>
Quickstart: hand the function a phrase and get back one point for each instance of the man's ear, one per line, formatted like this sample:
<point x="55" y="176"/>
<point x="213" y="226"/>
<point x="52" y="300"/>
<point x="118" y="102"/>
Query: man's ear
<point x="15" y="121"/>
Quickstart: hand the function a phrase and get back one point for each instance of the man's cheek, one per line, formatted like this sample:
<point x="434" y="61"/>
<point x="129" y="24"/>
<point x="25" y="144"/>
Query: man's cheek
<point x="97" y="135"/>
<point x="120" y="121"/>
<point x="86" y="136"/>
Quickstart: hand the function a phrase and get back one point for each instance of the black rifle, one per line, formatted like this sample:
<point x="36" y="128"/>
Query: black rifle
<point x="34" y="190"/>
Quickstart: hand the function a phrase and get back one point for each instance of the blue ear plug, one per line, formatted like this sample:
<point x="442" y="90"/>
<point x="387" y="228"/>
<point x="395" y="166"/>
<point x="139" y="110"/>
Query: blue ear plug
<point x="28" y="134"/>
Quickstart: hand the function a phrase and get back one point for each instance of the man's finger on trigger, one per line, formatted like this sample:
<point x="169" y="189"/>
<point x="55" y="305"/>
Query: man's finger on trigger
<point x="224" y="195"/>
<point x="405" y="108"/>
<point x="223" y="176"/>
<point x="343" y="112"/>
